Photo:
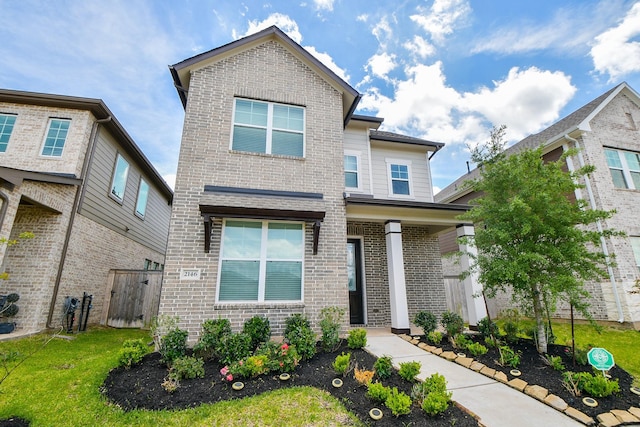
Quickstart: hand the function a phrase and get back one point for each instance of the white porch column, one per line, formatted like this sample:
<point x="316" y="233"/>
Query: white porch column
<point x="397" y="286"/>
<point x="476" y="307"/>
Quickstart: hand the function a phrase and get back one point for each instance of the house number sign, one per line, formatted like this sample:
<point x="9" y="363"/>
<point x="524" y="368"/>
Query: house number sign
<point x="189" y="274"/>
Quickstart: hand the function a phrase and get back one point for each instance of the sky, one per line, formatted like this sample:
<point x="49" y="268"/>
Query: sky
<point x="442" y="70"/>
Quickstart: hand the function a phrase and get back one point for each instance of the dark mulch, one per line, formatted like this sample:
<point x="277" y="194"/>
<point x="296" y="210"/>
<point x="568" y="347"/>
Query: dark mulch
<point x="14" y="422"/>
<point x="140" y="388"/>
<point x="535" y="371"/>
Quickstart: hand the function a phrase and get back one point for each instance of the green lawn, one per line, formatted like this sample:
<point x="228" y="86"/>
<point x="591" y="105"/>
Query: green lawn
<point x="59" y="386"/>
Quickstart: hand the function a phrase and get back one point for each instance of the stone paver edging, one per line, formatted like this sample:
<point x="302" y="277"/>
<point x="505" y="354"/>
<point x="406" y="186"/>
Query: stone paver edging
<point x="613" y="418"/>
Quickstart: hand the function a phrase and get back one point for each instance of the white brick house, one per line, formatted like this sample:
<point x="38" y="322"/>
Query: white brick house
<point x="287" y="202"/>
<point x="606" y="131"/>
<point x="72" y="175"/>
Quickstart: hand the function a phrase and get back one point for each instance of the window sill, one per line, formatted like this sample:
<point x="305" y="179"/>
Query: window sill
<point x="277" y="156"/>
<point x="259" y="305"/>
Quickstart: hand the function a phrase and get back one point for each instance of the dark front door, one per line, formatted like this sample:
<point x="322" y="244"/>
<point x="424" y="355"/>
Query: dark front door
<point x="354" y="269"/>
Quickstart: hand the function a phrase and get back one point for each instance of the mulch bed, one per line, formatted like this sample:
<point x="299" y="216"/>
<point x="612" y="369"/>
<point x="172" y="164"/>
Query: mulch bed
<point x="140" y="388"/>
<point x="535" y="371"/>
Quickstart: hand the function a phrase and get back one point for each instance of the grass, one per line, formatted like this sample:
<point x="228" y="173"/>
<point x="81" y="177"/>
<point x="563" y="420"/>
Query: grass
<point x="60" y="385"/>
<point x="623" y="343"/>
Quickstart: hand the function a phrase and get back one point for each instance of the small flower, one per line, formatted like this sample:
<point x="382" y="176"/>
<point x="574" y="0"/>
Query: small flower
<point x="240" y="363"/>
<point x="281" y="364"/>
<point x="229" y="377"/>
<point x="224" y="371"/>
<point x="284" y="346"/>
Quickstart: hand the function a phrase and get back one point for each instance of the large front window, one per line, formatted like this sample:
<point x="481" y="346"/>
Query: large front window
<point x="6" y="127"/>
<point x="56" y="137"/>
<point x="261" y="261"/>
<point x="266" y="127"/>
<point x="624" y="167"/>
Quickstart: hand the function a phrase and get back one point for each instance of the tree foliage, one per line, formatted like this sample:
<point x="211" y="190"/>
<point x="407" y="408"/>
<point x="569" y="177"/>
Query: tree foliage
<point x="533" y="241"/>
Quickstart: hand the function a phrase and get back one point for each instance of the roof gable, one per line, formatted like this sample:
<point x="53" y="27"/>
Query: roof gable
<point x="181" y="72"/>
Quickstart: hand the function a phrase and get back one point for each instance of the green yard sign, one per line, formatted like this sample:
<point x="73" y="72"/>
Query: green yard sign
<point x="600" y="359"/>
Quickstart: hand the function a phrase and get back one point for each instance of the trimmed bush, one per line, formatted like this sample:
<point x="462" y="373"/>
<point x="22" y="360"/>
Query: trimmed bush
<point x="477" y="349"/>
<point x="427" y="321"/>
<point x="173" y="345"/>
<point x="488" y="328"/>
<point x="452" y="323"/>
<point x="409" y="370"/>
<point x="341" y="363"/>
<point x="398" y="402"/>
<point x="357" y="338"/>
<point x="435" y="337"/>
<point x="213" y="331"/>
<point x="186" y="367"/>
<point x="330" y="322"/>
<point x="234" y="347"/>
<point x="383" y="367"/>
<point x="132" y="352"/>
<point x="376" y="391"/>
<point x="298" y="332"/>
<point x="436" y="403"/>
<point x="258" y="329"/>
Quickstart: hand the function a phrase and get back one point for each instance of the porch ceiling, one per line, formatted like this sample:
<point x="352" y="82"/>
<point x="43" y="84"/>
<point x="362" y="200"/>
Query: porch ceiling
<point x="439" y="217"/>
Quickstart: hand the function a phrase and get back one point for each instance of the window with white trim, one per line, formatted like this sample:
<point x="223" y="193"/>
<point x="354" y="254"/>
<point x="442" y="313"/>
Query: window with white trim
<point x="352" y="171"/>
<point x="119" y="179"/>
<point x="635" y="245"/>
<point x="624" y="167"/>
<point x="56" y="137"/>
<point x="141" y="201"/>
<point x="261" y="261"/>
<point x="6" y="127"/>
<point x="267" y="127"/>
<point x="399" y="176"/>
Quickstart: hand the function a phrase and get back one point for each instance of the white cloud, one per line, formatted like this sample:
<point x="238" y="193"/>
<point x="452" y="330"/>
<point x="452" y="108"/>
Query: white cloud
<point x="442" y="18"/>
<point x="383" y="32"/>
<point x="324" y="4"/>
<point x="419" y="47"/>
<point x="284" y="22"/>
<point x="614" y="52"/>
<point x="327" y="60"/>
<point x="525" y="100"/>
<point x="381" y="64"/>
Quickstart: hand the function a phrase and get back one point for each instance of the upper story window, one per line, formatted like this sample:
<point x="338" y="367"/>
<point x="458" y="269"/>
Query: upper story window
<point x="6" y="127"/>
<point x="119" y="180"/>
<point x="266" y="127"/>
<point x="624" y="167"/>
<point x="261" y="261"/>
<point x="399" y="175"/>
<point x="352" y="171"/>
<point x="143" y="195"/>
<point x="56" y="137"/>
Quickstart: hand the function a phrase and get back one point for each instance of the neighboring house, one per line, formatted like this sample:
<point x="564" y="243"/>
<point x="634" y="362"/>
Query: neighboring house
<point x="72" y="175"/>
<point x="606" y="131"/>
<point x="288" y="202"/>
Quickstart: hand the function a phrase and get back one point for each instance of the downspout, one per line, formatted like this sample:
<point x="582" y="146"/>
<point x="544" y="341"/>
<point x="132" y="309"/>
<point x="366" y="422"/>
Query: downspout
<point x="603" y="242"/>
<point x="72" y="216"/>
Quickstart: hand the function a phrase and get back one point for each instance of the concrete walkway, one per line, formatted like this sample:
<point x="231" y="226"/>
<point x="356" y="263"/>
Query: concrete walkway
<point x="495" y="403"/>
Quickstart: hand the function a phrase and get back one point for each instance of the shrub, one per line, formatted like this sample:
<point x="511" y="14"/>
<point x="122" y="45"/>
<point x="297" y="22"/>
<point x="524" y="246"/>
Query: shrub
<point x="330" y="322"/>
<point x="132" y="352"/>
<point x="555" y="362"/>
<point x="170" y="385"/>
<point x="363" y="377"/>
<point x="160" y="326"/>
<point x="383" y="367"/>
<point x="357" y="338"/>
<point x="258" y="329"/>
<point x="461" y="341"/>
<point x="477" y="349"/>
<point x="281" y="357"/>
<point x="488" y="328"/>
<point x="186" y="367"/>
<point x="581" y="354"/>
<point x="299" y="333"/>
<point x="452" y="323"/>
<point x="398" y="402"/>
<point x="436" y="403"/>
<point x="435" y="337"/>
<point x="234" y="347"/>
<point x="594" y="385"/>
<point x="427" y="321"/>
<point x="213" y="331"/>
<point x="253" y="366"/>
<point x="376" y="391"/>
<point x="511" y="331"/>
<point x="509" y="357"/>
<point x="409" y="370"/>
<point x="173" y="345"/>
<point x="341" y="363"/>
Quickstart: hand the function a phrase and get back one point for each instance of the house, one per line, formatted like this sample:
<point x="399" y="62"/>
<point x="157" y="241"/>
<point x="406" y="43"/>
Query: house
<point x="606" y="132"/>
<point x="287" y="202"/>
<point x="71" y="174"/>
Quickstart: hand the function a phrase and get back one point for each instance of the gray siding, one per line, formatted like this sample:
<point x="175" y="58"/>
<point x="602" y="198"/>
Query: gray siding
<point x="100" y="207"/>
<point x="420" y="181"/>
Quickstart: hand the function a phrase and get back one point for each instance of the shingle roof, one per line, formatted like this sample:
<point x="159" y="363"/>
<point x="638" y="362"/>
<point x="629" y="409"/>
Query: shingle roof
<point x="404" y="139"/>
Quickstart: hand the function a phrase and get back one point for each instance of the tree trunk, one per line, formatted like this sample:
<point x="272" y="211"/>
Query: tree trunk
<point x="538" y="313"/>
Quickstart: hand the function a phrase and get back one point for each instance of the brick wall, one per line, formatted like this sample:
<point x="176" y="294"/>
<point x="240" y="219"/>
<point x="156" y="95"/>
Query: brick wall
<point x="206" y="159"/>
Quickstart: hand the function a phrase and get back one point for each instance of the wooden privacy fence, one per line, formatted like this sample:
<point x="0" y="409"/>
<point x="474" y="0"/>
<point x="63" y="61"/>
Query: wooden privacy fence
<point x="134" y="298"/>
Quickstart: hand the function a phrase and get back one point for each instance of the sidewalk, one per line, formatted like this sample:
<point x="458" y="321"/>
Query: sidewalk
<point x="495" y="403"/>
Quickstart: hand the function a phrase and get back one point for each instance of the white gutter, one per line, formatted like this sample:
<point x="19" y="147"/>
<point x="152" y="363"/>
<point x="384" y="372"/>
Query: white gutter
<point x="603" y="242"/>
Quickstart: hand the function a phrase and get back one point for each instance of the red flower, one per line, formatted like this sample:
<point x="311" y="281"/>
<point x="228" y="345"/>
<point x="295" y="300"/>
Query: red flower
<point x="229" y="377"/>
